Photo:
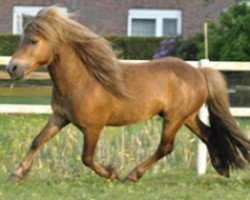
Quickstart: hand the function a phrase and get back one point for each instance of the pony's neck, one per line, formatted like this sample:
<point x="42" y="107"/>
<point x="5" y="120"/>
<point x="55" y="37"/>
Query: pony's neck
<point x="67" y="71"/>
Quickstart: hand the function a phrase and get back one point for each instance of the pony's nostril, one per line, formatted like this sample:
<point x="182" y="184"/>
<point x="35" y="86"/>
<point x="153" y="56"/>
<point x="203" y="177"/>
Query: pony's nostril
<point x="11" y="69"/>
<point x="14" y="68"/>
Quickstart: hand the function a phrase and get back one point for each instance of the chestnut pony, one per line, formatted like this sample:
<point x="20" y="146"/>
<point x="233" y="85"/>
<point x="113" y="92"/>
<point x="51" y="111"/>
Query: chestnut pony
<point x="93" y="89"/>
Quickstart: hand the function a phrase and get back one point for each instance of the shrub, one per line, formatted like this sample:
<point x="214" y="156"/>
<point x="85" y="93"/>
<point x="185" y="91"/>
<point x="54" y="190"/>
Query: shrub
<point x="139" y="48"/>
<point x="8" y="44"/>
<point x="230" y="39"/>
<point x="191" y="48"/>
<point x="127" y="47"/>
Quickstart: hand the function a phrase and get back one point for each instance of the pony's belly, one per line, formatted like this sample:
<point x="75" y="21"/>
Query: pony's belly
<point x="130" y="115"/>
<point x="120" y="121"/>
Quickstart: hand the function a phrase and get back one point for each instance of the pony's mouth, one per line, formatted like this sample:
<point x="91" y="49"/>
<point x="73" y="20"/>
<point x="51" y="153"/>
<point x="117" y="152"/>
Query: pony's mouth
<point x="17" y="76"/>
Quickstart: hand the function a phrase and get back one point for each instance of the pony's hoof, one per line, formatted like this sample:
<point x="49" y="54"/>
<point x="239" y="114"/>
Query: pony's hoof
<point x="113" y="175"/>
<point x="18" y="174"/>
<point x="130" y="179"/>
<point x="14" y="177"/>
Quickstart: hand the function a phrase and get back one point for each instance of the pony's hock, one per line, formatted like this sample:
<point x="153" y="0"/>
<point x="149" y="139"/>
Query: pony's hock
<point x="92" y="89"/>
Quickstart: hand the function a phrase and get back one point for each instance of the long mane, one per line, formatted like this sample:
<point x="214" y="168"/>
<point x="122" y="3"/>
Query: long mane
<point x="94" y="51"/>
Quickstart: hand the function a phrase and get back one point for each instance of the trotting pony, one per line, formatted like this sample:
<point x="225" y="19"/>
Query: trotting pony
<point x="93" y="89"/>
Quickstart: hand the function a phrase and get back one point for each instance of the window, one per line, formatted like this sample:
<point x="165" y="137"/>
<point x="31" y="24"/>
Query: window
<point x="18" y="11"/>
<point x="170" y="27"/>
<point x="154" y="22"/>
<point x="245" y="2"/>
<point x="143" y="27"/>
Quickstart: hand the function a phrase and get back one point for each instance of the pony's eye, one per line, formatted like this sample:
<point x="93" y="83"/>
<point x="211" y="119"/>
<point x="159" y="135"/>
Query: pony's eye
<point x="33" y="41"/>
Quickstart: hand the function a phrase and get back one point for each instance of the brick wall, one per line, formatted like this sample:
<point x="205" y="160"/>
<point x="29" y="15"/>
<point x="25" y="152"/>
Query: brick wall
<point x="109" y="17"/>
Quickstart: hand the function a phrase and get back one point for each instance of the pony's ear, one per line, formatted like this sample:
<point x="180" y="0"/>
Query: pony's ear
<point x="26" y="19"/>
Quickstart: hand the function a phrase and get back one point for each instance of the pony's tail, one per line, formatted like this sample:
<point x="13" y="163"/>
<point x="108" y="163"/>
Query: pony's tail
<point x="227" y="146"/>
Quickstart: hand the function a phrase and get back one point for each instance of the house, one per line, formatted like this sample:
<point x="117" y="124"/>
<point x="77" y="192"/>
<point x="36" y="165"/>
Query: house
<point x="123" y="17"/>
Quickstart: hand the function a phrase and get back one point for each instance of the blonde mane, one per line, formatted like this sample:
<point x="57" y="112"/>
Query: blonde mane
<point x="94" y="51"/>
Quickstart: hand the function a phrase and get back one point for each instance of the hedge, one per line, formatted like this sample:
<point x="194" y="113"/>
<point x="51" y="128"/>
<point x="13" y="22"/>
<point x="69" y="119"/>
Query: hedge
<point x="8" y="44"/>
<point x="138" y="48"/>
<point x="126" y="47"/>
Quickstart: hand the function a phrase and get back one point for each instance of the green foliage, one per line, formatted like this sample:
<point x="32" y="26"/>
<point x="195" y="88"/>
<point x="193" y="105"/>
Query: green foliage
<point x="126" y="47"/>
<point x="230" y="39"/>
<point x="8" y="44"/>
<point x="138" y="48"/>
<point x="190" y="48"/>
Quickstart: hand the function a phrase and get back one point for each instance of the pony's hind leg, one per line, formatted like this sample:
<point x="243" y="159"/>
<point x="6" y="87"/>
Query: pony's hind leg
<point x="201" y="130"/>
<point x="165" y="147"/>
<point x="204" y="133"/>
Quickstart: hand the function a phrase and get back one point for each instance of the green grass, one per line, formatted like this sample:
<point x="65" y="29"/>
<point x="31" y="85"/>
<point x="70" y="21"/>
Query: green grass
<point x="175" y="185"/>
<point x="24" y="100"/>
<point x="58" y="173"/>
<point x="25" y="95"/>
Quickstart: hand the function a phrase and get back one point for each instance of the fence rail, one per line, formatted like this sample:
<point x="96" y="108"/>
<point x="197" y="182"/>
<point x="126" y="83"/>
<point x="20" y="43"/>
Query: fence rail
<point x="25" y="109"/>
<point x="46" y="109"/>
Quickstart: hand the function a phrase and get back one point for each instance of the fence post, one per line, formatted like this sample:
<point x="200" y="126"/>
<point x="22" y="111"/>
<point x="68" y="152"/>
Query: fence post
<point x="202" y="149"/>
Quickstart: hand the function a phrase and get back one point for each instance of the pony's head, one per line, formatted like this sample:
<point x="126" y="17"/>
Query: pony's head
<point x="33" y="52"/>
<point x="36" y="46"/>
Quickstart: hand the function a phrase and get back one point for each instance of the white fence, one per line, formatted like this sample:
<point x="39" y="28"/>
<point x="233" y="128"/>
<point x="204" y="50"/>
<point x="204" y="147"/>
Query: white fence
<point x="202" y="151"/>
<point x="46" y="109"/>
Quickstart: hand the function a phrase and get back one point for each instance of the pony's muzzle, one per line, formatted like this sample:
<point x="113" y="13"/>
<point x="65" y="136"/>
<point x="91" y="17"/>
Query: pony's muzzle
<point x="15" y="71"/>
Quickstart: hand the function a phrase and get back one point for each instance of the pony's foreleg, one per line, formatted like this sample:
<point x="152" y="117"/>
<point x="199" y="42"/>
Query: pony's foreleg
<point x="165" y="147"/>
<point x="91" y="137"/>
<point x="49" y="131"/>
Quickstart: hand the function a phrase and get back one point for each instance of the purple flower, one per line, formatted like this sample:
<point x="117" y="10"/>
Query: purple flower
<point x="166" y="48"/>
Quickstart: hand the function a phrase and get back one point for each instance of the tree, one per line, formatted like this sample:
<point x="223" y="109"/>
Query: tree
<point x="230" y="39"/>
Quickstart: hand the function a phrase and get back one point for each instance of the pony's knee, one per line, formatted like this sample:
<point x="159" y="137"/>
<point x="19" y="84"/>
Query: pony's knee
<point x="163" y="150"/>
<point x="169" y="148"/>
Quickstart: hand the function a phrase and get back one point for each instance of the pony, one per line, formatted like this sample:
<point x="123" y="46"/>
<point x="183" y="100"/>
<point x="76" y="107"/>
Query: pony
<point x="93" y="89"/>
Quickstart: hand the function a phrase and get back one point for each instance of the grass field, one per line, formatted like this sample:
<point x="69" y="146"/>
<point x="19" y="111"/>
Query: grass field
<point x="176" y="185"/>
<point x="31" y="94"/>
<point x="58" y="173"/>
